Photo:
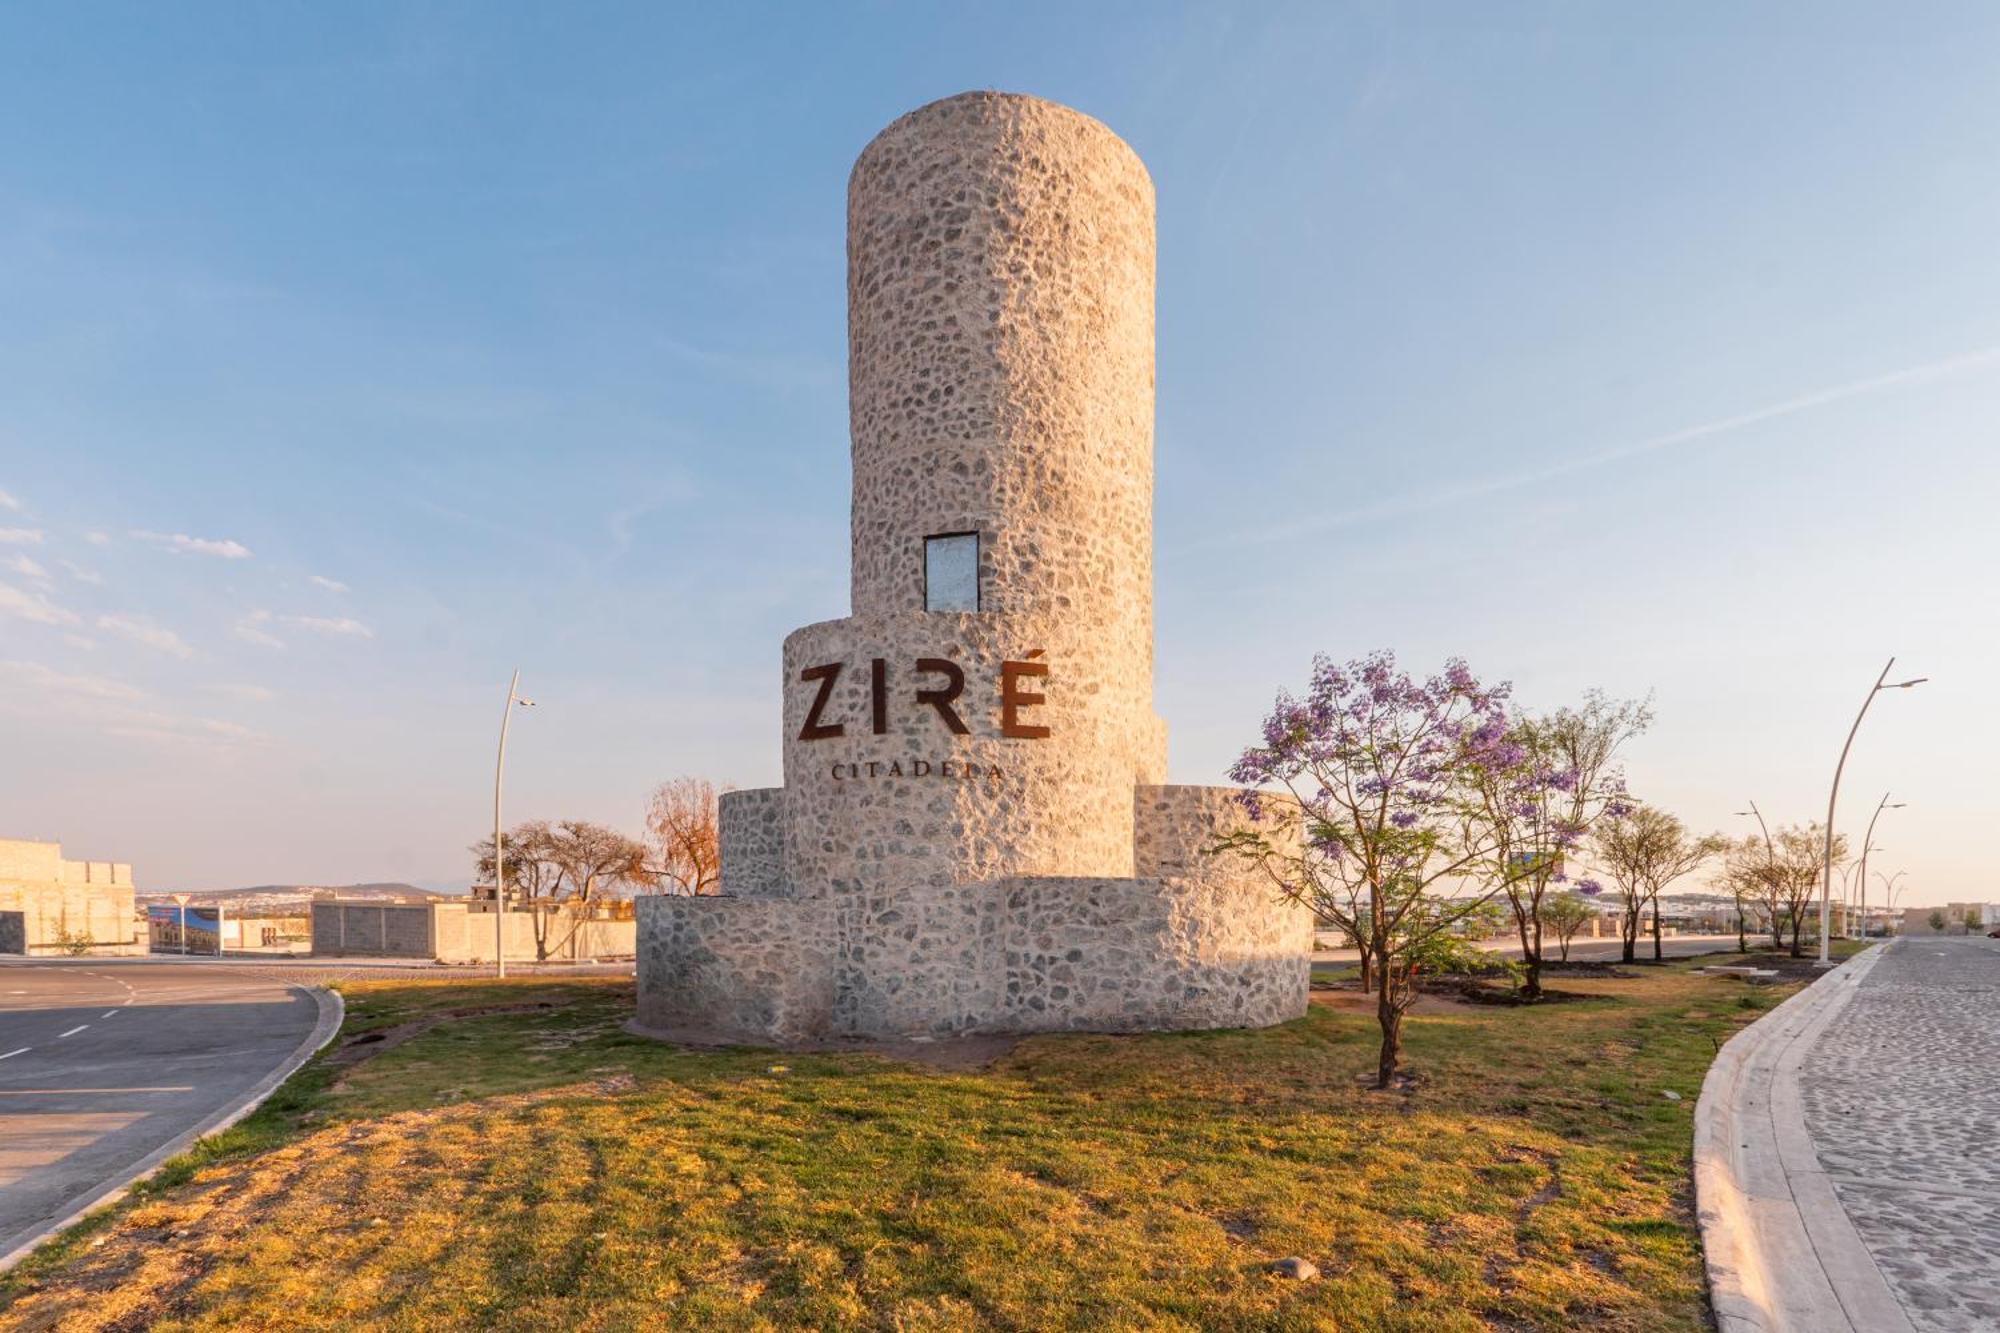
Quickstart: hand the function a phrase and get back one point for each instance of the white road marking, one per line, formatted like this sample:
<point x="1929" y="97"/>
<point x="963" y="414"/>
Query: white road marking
<point x="72" y="1032"/>
<point x="109" y="1013"/>
<point x="11" y="1054"/>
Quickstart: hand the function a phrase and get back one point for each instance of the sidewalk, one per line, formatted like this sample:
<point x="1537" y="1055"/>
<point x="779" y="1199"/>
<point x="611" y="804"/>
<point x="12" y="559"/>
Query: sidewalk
<point x="1902" y="1101"/>
<point x="1844" y="1150"/>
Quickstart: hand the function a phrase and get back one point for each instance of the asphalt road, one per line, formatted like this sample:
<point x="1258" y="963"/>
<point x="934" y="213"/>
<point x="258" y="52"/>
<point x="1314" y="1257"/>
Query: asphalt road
<point x="101" y="1064"/>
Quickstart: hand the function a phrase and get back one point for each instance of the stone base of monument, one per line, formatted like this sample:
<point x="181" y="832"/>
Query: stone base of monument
<point x="1197" y="941"/>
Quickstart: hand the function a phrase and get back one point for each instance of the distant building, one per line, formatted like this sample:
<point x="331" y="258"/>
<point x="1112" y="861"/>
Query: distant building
<point x="1917" y="920"/>
<point x="65" y="906"/>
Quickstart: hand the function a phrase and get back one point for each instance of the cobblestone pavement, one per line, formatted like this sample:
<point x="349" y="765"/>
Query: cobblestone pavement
<point x="1902" y="1100"/>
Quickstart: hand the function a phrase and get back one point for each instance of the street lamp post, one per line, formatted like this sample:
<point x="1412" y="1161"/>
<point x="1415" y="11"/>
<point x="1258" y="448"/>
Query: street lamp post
<point x="499" y="837"/>
<point x="1833" y="799"/>
<point x="1889" y="892"/>
<point x="1770" y="869"/>
<point x="1868" y="845"/>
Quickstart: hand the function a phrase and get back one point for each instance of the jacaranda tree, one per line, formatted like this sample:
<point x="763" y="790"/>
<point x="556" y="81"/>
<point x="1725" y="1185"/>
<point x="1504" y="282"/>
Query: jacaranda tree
<point x="1380" y="775"/>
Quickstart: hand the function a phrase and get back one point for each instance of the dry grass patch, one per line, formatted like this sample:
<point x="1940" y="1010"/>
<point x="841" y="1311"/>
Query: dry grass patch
<point x="540" y="1168"/>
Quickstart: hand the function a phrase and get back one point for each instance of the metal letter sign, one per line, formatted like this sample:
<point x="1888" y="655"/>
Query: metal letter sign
<point x="1017" y="679"/>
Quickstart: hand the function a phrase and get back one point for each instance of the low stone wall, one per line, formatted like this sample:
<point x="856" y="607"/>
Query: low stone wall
<point x="13" y="932"/>
<point x="1141" y="954"/>
<point x="760" y="969"/>
<point x="1039" y="954"/>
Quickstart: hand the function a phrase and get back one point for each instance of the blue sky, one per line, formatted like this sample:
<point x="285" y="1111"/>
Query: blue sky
<point x="352" y="355"/>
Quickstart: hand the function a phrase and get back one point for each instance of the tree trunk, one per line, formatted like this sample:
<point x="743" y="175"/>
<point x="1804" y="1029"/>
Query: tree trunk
<point x="1798" y="924"/>
<point x="1628" y="932"/>
<point x="1389" y="1013"/>
<point x="1531" y="952"/>
<point x="1742" y="940"/>
<point x="1657" y="954"/>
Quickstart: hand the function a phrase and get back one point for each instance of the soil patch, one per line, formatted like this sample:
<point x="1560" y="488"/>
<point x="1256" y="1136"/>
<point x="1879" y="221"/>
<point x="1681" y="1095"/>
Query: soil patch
<point x="1350" y="1000"/>
<point x="951" y="1054"/>
<point x="1584" y="967"/>
<point x="368" y="1045"/>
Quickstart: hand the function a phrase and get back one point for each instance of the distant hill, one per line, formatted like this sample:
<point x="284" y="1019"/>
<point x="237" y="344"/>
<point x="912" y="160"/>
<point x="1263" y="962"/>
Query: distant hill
<point x="293" y="899"/>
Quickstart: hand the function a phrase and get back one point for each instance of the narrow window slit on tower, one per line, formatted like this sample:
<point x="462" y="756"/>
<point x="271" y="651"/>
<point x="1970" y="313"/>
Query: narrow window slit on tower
<point x="951" y="572"/>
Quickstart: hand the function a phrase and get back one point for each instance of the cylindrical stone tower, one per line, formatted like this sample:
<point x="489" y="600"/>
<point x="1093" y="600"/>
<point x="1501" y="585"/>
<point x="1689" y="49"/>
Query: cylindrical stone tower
<point x="974" y="834"/>
<point x="1000" y="330"/>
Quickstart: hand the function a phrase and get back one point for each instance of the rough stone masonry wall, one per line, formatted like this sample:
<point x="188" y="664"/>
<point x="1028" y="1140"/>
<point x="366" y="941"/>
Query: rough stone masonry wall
<point x="759" y="969"/>
<point x="1200" y="941"/>
<point x="1000" y="292"/>
<point x="752" y="842"/>
<point x="1000" y="322"/>
<point x="13" y="933"/>
<point x="1060" y="805"/>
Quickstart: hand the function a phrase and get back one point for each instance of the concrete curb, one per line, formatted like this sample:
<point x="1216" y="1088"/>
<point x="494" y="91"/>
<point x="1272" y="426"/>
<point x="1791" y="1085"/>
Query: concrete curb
<point x="332" y="1010"/>
<point x="1782" y="1254"/>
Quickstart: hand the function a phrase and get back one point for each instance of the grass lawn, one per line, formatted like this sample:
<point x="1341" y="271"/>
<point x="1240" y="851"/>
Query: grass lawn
<point x="540" y="1169"/>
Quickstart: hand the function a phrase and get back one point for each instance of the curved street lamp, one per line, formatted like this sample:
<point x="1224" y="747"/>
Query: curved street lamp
<point x="499" y="838"/>
<point x="1770" y="869"/>
<point x="1868" y="845"/>
<point x="1833" y="798"/>
<point x="1889" y="892"/>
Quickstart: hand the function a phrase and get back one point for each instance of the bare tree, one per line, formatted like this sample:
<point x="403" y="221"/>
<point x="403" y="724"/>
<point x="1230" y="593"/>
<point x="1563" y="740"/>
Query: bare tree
<point x="1747" y="870"/>
<point x="1796" y="870"/>
<point x="559" y="871"/>
<point x="531" y="876"/>
<point x="683" y="823"/>
<point x="1643" y="853"/>
<point x="1560" y="781"/>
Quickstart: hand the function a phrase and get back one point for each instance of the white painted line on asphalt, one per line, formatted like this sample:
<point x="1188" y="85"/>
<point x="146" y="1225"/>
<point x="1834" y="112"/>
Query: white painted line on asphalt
<point x="109" y="1013"/>
<point x="11" y="1054"/>
<point x="72" y="1032"/>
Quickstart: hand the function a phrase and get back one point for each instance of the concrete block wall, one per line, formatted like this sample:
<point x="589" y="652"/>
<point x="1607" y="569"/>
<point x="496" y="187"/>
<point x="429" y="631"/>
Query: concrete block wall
<point x="381" y="930"/>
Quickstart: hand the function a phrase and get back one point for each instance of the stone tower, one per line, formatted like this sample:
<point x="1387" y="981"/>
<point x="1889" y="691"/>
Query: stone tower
<point x="973" y="834"/>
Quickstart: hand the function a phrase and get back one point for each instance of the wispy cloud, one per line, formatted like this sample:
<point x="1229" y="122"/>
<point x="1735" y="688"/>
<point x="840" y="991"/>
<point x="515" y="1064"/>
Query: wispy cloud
<point x="182" y="544"/>
<point x="255" y="694"/>
<point x="80" y="574"/>
<point x="1441" y="497"/>
<point x="27" y="568"/>
<point x="20" y="536"/>
<point x="251" y="629"/>
<point x="35" y="676"/>
<point x="33" y="607"/>
<point x="98" y="538"/>
<point x="111" y="706"/>
<point x="322" y="581"/>
<point x="141" y="630"/>
<point x="339" y="627"/>
<point x="9" y="502"/>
